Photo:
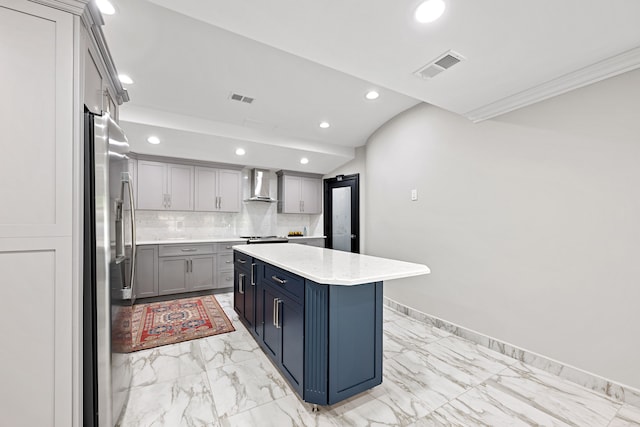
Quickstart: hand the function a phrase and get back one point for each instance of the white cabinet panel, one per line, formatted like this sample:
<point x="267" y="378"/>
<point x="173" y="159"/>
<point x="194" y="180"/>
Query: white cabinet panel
<point x="37" y="71"/>
<point x="93" y="92"/>
<point x="152" y="184"/>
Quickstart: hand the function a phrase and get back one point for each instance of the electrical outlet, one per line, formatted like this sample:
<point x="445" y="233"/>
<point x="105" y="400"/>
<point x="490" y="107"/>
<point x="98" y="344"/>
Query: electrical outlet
<point x="414" y="195"/>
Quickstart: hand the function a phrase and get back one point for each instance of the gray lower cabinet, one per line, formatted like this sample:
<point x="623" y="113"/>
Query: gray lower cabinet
<point x="186" y="274"/>
<point x="173" y="275"/>
<point x="146" y="281"/>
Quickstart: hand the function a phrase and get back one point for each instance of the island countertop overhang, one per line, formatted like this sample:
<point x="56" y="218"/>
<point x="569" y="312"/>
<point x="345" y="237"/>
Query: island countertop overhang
<point x="332" y="267"/>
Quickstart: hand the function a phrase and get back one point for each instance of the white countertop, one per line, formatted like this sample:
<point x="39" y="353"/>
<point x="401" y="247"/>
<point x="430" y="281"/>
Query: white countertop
<point x="331" y="267"/>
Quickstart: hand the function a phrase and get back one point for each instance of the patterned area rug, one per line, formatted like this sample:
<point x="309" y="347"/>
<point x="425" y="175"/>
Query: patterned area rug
<point x="170" y="322"/>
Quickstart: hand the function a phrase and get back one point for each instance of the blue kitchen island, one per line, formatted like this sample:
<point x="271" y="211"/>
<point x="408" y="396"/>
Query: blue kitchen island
<point x="317" y="313"/>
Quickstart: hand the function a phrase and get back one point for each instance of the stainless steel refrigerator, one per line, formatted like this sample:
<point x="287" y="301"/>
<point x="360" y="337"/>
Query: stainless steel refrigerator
<point x="109" y="271"/>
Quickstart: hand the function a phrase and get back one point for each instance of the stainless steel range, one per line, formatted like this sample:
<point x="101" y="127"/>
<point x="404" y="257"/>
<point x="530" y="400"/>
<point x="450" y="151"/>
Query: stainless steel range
<point x="252" y="240"/>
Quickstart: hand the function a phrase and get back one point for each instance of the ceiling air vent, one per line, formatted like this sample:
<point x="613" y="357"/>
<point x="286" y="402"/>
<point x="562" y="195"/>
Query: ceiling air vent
<point x="441" y="63"/>
<point x="241" y="98"/>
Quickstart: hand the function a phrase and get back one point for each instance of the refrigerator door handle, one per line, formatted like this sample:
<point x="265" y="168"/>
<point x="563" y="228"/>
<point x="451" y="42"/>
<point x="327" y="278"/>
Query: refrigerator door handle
<point x="126" y="181"/>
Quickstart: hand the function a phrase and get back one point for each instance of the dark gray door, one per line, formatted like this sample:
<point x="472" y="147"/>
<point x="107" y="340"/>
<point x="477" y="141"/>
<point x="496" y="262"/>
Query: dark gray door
<point x="342" y="213"/>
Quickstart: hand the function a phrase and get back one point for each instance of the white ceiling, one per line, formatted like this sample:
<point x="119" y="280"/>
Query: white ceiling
<point x="307" y="61"/>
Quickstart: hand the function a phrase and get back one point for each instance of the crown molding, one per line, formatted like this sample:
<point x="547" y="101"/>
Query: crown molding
<point x="604" y="69"/>
<point x="76" y="7"/>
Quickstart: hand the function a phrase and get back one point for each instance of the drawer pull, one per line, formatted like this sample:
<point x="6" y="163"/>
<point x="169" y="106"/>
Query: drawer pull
<point x="188" y="249"/>
<point x="279" y="280"/>
<point x="242" y="261"/>
<point x="241" y="283"/>
<point x="229" y="247"/>
<point x="228" y="262"/>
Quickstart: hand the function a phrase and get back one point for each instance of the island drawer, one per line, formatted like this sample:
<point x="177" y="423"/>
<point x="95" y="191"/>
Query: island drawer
<point x="185" y="250"/>
<point x="242" y="261"/>
<point x="284" y="280"/>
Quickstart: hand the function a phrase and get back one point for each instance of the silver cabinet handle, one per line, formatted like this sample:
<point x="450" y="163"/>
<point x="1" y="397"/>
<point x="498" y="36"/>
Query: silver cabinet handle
<point x="303" y="206"/>
<point x="275" y="308"/>
<point x="191" y="265"/>
<point x="228" y="247"/>
<point x="228" y="262"/>
<point x="241" y="283"/>
<point x="279" y="280"/>
<point x="242" y="261"/>
<point x="186" y="265"/>
<point x="169" y="197"/>
<point x="228" y="278"/>
<point x="253" y="279"/>
<point x="278" y="301"/>
<point x="188" y="249"/>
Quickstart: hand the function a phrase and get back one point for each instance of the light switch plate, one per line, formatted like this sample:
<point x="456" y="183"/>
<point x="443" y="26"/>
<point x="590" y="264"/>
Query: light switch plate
<point x="414" y="194"/>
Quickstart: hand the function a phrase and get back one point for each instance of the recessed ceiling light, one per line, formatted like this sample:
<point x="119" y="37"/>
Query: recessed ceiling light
<point x="153" y="140"/>
<point x="106" y="7"/>
<point x="240" y="152"/>
<point x="324" y="125"/>
<point x="429" y="11"/>
<point x="304" y="160"/>
<point x="372" y="94"/>
<point x="124" y="79"/>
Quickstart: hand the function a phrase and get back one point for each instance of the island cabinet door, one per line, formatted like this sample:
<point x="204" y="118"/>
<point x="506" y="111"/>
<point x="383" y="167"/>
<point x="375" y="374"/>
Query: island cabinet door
<point x="290" y="319"/>
<point x="239" y="276"/>
<point x="271" y="333"/>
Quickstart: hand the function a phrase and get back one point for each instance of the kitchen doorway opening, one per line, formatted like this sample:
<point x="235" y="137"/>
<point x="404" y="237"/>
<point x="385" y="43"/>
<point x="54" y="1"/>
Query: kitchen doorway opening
<point x="342" y="212"/>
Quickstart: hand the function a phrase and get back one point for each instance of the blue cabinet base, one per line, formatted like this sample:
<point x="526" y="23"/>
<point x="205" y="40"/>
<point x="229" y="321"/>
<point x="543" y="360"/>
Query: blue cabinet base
<point x="330" y="335"/>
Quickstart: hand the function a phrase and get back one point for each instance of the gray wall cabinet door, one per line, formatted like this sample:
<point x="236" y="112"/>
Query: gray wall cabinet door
<point x="291" y="196"/>
<point x="146" y="281"/>
<point x="206" y="184"/>
<point x="152" y="185"/>
<point x="173" y="275"/>
<point x="202" y="272"/>
<point x="229" y="182"/>
<point x="217" y="190"/>
<point x="180" y="187"/>
<point x="311" y="195"/>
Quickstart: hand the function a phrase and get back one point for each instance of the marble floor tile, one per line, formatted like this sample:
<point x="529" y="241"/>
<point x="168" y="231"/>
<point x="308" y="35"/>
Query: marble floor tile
<point x="242" y="386"/>
<point x="226" y="349"/>
<point x="627" y="416"/>
<point x="186" y="401"/>
<point x="431" y="378"/>
<point x="166" y="363"/>
<point x="567" y="401"/>
<point x="287" y="411"/>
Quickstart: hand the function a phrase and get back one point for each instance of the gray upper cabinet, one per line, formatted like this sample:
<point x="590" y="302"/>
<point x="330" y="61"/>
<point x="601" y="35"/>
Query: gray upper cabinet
<point x="217" y="190"/>
<point x="165" y="186"/>
<point x="299" y="193"/>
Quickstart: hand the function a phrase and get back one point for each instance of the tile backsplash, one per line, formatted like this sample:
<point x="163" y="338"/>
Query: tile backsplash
<point x="254" y="218"/>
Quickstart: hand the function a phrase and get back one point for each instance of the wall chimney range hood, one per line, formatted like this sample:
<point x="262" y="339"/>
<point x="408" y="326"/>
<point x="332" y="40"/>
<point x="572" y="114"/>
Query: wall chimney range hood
<point x="260" y="187"/>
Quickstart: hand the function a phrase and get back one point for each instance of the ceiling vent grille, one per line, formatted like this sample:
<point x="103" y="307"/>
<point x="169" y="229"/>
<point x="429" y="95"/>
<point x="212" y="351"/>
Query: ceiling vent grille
<point x="241" y="98"/>
<point x="438" y="65"/>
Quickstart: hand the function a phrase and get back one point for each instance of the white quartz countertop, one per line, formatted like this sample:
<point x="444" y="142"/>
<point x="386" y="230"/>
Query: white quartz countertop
<point x="331" y="267"/>
<point x="189" y="241"/>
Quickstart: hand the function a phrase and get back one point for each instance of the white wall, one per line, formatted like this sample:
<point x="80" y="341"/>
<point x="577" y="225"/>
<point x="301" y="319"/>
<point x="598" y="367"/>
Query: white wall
<point x="529" y="222"/>
<point x="357" y="165"/>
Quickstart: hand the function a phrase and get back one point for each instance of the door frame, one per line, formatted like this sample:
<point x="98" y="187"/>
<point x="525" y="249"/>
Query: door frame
<point x="338" y="181"/>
